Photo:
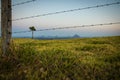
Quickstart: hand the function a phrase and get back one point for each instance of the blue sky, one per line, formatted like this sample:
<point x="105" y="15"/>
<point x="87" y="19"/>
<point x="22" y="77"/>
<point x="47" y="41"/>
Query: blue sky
<point x="76" y="18"/>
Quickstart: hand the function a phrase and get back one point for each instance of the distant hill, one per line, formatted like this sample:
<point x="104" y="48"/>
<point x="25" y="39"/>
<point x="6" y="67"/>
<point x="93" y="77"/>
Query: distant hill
<point x="58" y="37"/>
<point x="53" y="37"/>
<point x="76" y="36"/>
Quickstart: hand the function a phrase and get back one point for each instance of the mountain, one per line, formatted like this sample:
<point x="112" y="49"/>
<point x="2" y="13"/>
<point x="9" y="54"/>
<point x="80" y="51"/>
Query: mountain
<point x="76" y="36"/>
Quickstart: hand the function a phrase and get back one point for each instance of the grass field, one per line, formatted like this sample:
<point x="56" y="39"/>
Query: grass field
<point x="70" y="59"/>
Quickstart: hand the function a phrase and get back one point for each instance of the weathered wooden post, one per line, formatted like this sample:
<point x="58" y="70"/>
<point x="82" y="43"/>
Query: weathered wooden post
<point x="6" y="25"/>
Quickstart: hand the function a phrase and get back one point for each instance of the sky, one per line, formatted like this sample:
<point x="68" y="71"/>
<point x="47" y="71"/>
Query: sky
<point x="77" y="18"/>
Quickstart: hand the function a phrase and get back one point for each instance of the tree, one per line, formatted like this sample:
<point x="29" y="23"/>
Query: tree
<point x="32" y="28"/>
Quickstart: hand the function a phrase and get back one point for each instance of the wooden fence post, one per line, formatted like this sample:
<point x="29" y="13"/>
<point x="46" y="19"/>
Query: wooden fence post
<point x="6" y="25"/>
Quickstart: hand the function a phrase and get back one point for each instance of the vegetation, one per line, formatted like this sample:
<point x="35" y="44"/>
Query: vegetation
<point x="32" y="29"/>
<point x="72" y="59"/>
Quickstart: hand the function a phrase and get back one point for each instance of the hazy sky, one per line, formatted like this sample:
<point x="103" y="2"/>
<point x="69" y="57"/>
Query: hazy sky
<point x="91" y="16"/>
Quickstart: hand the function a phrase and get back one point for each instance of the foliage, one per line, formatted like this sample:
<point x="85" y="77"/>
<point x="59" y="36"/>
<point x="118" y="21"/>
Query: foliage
<point x="32" y="28"/>
<point x="70" y="59"/>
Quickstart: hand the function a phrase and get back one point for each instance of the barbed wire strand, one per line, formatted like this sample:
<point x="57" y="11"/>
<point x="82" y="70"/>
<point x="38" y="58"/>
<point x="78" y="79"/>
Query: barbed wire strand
<point x="92" y="25"/>
<point x="46" y="14"/>
<point x="25" y="2"/>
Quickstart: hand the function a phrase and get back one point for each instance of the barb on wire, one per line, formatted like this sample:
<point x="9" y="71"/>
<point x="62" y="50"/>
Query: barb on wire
<point x="46" y="14"/>
<point x="71" y="27"/>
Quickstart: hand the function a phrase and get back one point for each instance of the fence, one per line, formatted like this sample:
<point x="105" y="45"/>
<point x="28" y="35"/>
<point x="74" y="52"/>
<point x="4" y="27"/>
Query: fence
<point x="65" y="11"/>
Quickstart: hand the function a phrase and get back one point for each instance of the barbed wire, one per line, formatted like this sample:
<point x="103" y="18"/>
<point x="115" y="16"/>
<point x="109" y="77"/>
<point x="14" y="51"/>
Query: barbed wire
<point x="97" y="6"/>
<point x="90" y="7"/>
<point x="92" y="25"/>
<point x="25" y="2"/>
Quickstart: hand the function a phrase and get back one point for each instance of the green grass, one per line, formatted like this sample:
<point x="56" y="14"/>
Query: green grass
<point x="70" y="59"/>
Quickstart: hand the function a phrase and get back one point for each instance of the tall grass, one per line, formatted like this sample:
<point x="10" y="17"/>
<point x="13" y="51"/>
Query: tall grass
<point x="73" y="59"/>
